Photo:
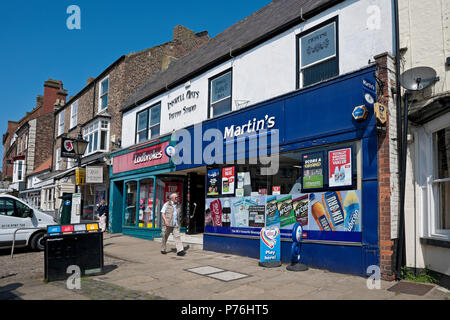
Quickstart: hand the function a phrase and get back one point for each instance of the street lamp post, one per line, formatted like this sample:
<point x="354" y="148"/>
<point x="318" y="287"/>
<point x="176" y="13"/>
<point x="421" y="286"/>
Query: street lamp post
<point x="79" y="147"/>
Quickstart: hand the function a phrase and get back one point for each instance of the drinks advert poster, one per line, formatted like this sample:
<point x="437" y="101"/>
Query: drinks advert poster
<point x="340" y="168"/>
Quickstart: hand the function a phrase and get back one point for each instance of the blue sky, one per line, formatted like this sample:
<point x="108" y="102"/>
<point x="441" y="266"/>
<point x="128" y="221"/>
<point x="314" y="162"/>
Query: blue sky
<point x="37" y="45"/>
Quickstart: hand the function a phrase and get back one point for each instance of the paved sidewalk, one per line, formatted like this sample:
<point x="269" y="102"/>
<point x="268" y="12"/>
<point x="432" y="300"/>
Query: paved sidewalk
<point x="167" y="276"/>
<point x="136" y="270"/>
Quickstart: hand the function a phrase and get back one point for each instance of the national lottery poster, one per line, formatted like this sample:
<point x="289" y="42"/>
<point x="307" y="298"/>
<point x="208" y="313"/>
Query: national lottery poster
<point x="213" y="182"/>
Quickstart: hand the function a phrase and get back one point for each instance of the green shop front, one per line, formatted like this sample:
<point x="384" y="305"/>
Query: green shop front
<point x="140" y="183"/>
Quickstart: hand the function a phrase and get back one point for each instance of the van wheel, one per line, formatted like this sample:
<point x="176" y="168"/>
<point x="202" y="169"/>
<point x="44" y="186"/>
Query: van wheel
<point x="37" y="241"/>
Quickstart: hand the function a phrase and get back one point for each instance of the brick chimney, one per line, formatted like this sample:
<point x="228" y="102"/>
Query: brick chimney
<point x="53" y="91"/>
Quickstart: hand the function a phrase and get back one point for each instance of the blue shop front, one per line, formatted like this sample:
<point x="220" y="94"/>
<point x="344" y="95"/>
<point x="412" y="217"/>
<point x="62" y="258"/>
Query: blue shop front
<point x="308" y="157"/>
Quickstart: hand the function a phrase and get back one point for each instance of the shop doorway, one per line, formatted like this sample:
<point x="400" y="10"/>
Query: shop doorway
<point x="196" y="203"/>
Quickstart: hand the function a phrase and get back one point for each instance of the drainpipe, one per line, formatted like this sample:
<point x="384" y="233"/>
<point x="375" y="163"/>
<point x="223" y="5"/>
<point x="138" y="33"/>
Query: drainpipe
<point x="399" y="244"/>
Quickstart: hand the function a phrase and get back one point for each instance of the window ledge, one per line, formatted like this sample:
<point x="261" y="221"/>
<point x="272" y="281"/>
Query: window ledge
<point x="435" y="242"/>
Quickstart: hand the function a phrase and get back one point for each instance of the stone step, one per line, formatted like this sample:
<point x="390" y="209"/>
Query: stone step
<point x="195" y="241"/>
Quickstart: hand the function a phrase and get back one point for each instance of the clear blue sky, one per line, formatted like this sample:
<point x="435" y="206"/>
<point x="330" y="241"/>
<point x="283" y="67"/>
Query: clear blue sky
<point x="36" y="45"/>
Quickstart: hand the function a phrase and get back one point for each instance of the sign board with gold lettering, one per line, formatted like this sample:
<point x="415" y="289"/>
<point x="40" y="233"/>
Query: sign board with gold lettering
<point x="380" y="112"/>
<point x="80" y="176"/>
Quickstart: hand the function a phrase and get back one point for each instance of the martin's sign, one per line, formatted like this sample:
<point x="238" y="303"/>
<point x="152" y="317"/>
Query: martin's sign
<point x="67" y="150"/>
<point x="251" y="126"/>
<point x="143" y="158"/>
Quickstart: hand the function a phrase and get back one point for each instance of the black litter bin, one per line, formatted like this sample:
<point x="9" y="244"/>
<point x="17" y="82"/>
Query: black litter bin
<point x="73" y="245"/>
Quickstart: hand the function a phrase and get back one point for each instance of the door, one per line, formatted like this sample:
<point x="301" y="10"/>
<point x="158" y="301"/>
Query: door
<point x="14" y="215"/>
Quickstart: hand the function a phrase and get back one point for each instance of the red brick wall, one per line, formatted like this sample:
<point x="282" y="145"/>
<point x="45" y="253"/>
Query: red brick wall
<point x="384" y="175"/>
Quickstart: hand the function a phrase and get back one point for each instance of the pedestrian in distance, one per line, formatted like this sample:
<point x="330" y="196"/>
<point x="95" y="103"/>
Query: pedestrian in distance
<point x="171" y="214"/>
<point x="102" y="211"/>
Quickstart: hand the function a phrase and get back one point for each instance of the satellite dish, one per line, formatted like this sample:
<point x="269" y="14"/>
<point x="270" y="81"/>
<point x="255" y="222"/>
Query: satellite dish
<point x="419" y="78"/>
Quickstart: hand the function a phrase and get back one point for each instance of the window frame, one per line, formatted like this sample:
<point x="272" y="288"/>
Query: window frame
<point x="61" y="125"/>
<point x="299" y="69"/>
<point x="148" y="126"/>
<point x="58" y="159"/>
<point x="425" y="167"/>
<point x="210" y="104"/>
<point x="102" y="94"/>
<point x="73" y="115"/>
<point x="90" y="133"/>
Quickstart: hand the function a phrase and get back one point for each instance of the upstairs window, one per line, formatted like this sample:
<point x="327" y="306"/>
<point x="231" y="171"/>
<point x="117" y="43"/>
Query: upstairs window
<point x="318" y="54"/>
<point x="148" y="123"/>
<point x="74" y="114"/>
<point x="58" y="159"/>
<point x="441" y="182"/>
<point x="103" y="94"/>
<point x="97" y="134"/>
<point x="61" y="117"/>
<point x="220" y="94"/>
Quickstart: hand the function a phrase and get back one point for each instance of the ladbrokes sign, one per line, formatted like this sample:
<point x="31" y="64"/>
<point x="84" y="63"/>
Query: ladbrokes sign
<point x="142" y="158"/>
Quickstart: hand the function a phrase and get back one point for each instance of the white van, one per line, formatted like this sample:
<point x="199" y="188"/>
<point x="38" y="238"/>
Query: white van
<point x="15" y="214"/>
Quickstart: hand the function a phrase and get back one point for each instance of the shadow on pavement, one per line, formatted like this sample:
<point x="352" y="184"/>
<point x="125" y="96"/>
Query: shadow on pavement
<point x="6" y="292"/>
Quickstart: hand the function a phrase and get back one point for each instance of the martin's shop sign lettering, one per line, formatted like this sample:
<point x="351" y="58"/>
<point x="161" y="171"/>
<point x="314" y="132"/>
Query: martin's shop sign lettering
<point x="189" y="95"/>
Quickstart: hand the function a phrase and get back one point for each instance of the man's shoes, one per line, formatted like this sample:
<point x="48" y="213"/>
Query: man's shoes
<point x="181" y="253"/>
<point x="163" y="252"/>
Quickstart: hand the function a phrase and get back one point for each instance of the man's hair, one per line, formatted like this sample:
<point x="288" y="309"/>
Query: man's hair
<point x="172" y="195"/>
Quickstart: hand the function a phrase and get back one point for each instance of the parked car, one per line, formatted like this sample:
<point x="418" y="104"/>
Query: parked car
<point x="16" y="214"/>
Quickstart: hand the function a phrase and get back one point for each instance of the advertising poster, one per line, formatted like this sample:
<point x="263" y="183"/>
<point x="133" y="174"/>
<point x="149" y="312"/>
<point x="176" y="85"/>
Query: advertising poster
<point x="340" y="168"/>
<point x="213" y="182"/>
<point x="270" y="244"/>
<point x="313" y="171"/>
<point x="173" y="187"/>
<point x="272" y="214"/>
<point x="285" y="210"/>
<point x="256" y="216"/>
<point x="228" y="180"/>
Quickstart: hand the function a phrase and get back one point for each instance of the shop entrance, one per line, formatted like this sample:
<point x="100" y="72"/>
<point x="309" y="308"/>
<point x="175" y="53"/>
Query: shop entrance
<point x="196" y="194"/>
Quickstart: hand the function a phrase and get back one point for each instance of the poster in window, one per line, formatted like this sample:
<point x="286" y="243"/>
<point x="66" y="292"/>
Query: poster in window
<point x="228" y="180"/>
<point x="340" y="168"/>
<point x="213" y="182"/>
<point x="313" y="171"/>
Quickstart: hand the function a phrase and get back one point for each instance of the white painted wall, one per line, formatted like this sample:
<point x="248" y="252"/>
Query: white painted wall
<point x="425" y="37"/>
<point x="269" y="70"/>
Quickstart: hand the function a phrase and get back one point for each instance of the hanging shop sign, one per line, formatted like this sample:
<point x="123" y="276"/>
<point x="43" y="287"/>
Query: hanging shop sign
<point x="380" y="113"/>
<point x="228" y="180"/>
<point x="313" y="171"/>
<point x="213" y="182"/>
<point x="340" y="168"/>
<point x="80" y="176"/>
<point x="94" y="174"/>
<point x="67" y="150"/>
<point x="143" y="158"/>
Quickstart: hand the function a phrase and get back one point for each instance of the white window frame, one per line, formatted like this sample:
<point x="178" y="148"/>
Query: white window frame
<point x="299" y="39"/>
<point x="74" y="114"/>
<point x="89" y="132"/>
<point x="102" y="94"/>
<point x="16" y="171"/>
<point x="425" y="165"/>
<point x="58" y="159"/>
<point x="149" y="127"/>
<point x="61" y="124"/>
<point x="211" y="103"/>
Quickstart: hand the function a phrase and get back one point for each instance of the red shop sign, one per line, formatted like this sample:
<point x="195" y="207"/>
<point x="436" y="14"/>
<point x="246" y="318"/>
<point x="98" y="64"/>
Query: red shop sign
<point x="143" y="158"/>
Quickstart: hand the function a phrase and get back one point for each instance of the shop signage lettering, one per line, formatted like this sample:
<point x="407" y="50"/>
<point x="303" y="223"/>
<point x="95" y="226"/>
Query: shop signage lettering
<point x="251" y="126"/>
<point x="145" y="157"/>
<point x="189" y="95"/>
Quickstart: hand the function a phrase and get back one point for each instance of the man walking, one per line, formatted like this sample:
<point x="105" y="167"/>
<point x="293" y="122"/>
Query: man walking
<point x="171" y="214"/>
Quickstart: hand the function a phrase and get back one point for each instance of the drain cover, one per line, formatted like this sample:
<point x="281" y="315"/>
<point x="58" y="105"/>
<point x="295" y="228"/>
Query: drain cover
<point x="417" y="289"/>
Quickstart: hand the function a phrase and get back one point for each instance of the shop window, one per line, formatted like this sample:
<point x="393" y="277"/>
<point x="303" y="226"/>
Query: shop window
<point x="97" y="134"/>
<point x="318" y="54"/>
<point x="103" y="94"/>
<point x="130" y="203"/>
<point x="220" y="94"/>
<point x="146" y="203"/>
<point x="148" y="123"/>
<point x="441" y="183"/>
